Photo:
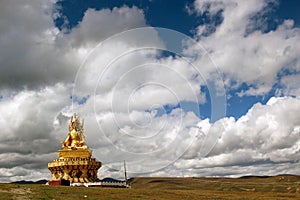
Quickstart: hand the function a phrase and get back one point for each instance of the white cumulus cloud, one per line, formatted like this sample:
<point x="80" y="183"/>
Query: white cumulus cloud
<point x="137" y="103"/>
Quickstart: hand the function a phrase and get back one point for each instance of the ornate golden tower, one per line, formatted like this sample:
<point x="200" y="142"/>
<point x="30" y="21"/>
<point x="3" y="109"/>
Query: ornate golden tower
<point x="74" y="162"/>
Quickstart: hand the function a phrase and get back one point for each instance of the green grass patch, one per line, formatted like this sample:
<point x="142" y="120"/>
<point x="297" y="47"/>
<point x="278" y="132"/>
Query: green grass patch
<point x="166" y="188"/>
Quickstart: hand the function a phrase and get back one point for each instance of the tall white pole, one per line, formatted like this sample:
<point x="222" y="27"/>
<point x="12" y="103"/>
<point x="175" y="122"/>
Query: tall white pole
<point x="125" y="172"/>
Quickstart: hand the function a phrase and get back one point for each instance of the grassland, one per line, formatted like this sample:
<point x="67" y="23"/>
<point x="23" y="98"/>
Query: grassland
<point x="279" y="187"/>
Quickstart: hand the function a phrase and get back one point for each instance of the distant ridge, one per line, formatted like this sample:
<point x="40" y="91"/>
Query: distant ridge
<point x="43" y="181"/>
<point x="108" y="179"/>
<point x="256" y="176"/>
<point x="287" y="175"/>
<point x="253" y="176"/>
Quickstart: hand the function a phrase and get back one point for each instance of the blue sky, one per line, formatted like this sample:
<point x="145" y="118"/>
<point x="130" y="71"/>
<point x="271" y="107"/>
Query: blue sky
<point x="175" y="88"/>
<point x="166" y="14"/>
<point x="175" y="16"/>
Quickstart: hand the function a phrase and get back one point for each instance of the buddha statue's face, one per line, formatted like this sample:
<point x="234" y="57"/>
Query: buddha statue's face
<point x="72" y="126"/>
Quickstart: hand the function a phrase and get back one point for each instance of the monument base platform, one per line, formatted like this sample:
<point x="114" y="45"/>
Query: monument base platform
<point x="59" y="182"/>
<point x="75" y="166"/>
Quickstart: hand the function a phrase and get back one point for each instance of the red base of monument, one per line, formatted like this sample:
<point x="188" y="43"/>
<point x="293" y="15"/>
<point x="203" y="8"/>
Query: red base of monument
<point x="59" y="182"/>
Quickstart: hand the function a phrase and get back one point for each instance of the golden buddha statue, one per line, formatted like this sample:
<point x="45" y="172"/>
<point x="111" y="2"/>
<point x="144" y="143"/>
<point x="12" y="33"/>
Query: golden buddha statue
<point x="76" y="135"/>
<point x="74" y="163"/>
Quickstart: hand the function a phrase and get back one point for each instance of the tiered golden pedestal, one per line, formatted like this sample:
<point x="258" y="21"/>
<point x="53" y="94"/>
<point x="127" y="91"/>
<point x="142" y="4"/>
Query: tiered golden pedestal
<point x="76" y="166"/>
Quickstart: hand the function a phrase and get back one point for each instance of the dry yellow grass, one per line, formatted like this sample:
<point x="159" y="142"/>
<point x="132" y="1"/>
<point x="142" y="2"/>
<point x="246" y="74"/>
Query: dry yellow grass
<point x="281" y="187"/>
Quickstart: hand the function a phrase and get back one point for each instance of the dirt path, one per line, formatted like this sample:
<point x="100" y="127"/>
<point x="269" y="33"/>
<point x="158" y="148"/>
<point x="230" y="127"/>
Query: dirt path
<point x="20" y="193"/>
